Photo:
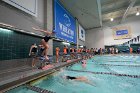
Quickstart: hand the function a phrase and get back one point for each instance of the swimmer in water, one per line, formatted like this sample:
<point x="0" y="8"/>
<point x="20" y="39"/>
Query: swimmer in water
<point x="84" y="62"/>
<point x="80" y="78"/>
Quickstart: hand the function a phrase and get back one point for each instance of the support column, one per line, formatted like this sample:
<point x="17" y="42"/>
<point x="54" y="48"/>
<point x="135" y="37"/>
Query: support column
<point x="77" y="31"/>
<point x="48" y="11"/>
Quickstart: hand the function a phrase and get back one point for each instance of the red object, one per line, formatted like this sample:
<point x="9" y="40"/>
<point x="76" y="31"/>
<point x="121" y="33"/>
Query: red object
<point x="68" y="61"/>
<point x="47" y="67"/>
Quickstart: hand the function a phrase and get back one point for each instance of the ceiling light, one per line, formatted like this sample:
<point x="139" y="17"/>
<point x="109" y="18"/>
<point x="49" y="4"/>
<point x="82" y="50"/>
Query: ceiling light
<point x="111" y="19"/>
<point x="138" y="13"/>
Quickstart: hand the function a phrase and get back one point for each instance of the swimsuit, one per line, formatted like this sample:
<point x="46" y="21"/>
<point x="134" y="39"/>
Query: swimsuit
<point x="69" y="77"/>
<point x="40" y="51"/>
<point x="57" y="51"/>
<point x="70" y="50"/>
<point x="34" y="52"/>
<point x="46" y="38"/>
<point x="34" y="49"/>
<point x="65" y="50"/>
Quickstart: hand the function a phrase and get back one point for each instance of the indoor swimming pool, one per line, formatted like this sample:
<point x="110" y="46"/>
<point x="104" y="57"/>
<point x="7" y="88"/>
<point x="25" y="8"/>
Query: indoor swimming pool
<point x="108" y="74"/>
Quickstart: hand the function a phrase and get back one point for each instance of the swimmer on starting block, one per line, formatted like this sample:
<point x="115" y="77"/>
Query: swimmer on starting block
<point x="45" y="40"/>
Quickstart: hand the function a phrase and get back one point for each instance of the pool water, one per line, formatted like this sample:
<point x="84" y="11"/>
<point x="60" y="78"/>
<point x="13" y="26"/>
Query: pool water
<point x="107" y="75"/>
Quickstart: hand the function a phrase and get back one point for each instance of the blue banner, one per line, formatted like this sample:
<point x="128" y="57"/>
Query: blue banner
<point x="121" y="32"/>
<point x="64" y="23"/>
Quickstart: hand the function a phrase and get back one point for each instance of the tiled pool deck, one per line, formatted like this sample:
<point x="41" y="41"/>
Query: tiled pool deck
<point x="17" y="76"/>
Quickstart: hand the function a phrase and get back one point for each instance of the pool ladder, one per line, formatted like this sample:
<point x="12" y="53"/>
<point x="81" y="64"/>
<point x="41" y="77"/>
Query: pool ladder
<point x="39" y="90"/>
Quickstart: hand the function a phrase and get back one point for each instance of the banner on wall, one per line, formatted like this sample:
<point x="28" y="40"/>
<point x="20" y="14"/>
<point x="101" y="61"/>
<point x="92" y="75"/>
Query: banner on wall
<point x="64" y="23"/>
<point x="122" y="32"/>
<point x="81" y="33"/>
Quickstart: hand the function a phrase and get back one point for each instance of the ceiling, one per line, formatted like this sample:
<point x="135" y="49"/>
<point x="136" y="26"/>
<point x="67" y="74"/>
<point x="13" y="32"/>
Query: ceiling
<point x="95" y="13"/>
<point x="86" y="11"/>
<point x="118" y="9"/>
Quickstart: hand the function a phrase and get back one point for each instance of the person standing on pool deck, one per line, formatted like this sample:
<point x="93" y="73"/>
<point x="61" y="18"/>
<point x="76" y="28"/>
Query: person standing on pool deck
<point x="138" y="50"/>
<point x="96" y="51"/>
<point x="72" y="52"/>
<point x="116" y="50"/>
<point x="41" y="49"/>
<point x="64" y="53"/>
<point x="33" y="53"/>
<point x="45" y="40"/>
<point x="57" y="54"/>
<point x="131" y="50"/>
<point x="65" y="50"/>
<point x="110" y="50"/>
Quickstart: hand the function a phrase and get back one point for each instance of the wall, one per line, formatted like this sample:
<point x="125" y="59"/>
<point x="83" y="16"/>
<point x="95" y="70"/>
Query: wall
<point x="14" y="48"/>
<point x="100" y="37"/>
<point x="79" y="42"/>
<point x="48" y="21"/>
<point x="15" y="45"/>
<point x="19" y="19"/>
<point x="133" y="22"/>
<point x="95" y="38"/>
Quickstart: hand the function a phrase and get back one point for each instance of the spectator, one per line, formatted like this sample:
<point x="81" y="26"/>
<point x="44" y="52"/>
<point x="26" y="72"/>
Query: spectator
<point x="131" y="50"/>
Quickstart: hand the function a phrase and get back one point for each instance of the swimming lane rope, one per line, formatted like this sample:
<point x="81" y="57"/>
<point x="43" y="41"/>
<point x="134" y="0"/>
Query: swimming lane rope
<point x="108" y="73"/>
<point x="39" y="90"/>
<point x="119" y="65"/>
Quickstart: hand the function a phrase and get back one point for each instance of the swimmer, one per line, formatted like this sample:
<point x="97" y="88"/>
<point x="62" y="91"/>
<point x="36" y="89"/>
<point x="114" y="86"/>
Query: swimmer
<point x="57" y="54"/>
<point x="33" y="53"/>
<point x="116" y="50"/>
<point x="65" y="50"/>
<point x="33" y="49"/>
<point x="45" y="40"/>
<point x="41" y="49"/>
<point x="80" y="78"/>
<point x="84" y="62"/>
<point x="64" y="53"/>
<point x="131" y="50"/>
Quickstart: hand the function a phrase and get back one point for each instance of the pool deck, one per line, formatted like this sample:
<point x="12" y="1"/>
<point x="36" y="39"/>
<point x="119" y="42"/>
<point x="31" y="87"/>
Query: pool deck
<point x="17" y="76"/>
<point x="20" y="75"/>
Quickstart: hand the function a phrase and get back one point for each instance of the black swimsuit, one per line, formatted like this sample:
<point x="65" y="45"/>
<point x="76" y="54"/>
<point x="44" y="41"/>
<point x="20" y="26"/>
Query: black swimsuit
<point x="34" y="52"/>
<point x="41" y="51"/>
<point x="34" y="49"/>
<point x="46" y="38"/>
<point x="69" y="77"/>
